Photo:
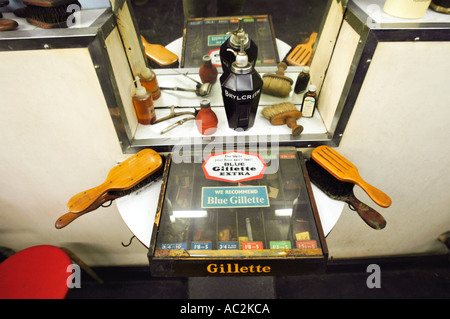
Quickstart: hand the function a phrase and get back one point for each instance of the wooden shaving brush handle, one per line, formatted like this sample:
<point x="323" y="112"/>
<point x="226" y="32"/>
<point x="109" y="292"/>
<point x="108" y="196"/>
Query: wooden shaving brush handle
<point x="290" y="119"/>
<point x="297" y="129"/>
<point x="281" y="68"/>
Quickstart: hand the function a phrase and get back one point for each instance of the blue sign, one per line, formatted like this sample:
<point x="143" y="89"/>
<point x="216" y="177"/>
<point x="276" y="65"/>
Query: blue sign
<point x="227" y="245"/>
<point x="215" y="40"/>
<point x="239" y="196"/>
<point x="201" y="245"/>
<point x="172" y="246"/>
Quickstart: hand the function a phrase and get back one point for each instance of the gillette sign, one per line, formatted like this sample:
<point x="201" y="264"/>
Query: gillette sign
<point x="234" y="166"/>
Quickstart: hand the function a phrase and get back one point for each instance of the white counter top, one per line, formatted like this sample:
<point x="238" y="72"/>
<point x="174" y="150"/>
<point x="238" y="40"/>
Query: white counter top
<point x="139" y="208"/>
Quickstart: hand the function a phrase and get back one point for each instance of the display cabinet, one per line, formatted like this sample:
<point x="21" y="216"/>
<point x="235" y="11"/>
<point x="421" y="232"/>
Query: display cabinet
<point x="111" y="37"/>
<point x="134" y="136"/>
<point x="96" y="35"/>
<point x="366" y="30"/>
<point x="237" y="213"/>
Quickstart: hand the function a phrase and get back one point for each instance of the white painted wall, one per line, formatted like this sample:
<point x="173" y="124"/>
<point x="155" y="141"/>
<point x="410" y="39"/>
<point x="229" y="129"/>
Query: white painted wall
<point x="94" y="4"/>
<point x="57" y="139"/>
<point x="398" y="137"/>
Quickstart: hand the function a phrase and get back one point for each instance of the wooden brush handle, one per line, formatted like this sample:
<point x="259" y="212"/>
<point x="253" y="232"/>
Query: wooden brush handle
<point x="374" y="193"/>
<point x="281" y="68"/>
<point x="7" y="24"/>
<point x="312" y="38"/>
<point x="296" y="128"/>
<point x="159" y="53"/>
<point x="368" y="214"/>
<point x="69" y="217"/>
<point x="81" y="201"/>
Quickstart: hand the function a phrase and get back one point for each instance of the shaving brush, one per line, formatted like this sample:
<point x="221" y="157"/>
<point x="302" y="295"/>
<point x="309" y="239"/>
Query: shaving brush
<point x="284" y="113"/>
<point x="277" y="84"/>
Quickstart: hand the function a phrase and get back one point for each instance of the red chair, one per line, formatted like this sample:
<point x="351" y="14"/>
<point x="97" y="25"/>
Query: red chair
<point x="38" y="272"/>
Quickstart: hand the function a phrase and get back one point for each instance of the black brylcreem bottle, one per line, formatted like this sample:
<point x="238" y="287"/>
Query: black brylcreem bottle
<point x="241" y="90"/>
<point x="231" y="47"/>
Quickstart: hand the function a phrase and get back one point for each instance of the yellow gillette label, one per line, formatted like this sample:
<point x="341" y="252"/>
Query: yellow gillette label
<point x="242" y="240"/>
<point x="302" y="236"/>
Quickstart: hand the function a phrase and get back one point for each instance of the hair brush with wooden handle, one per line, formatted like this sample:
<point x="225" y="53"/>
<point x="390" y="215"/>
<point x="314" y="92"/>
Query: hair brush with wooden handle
<point x="284" y="113"/>
<point x="343" y="191"/>
<point x="50" y="14"/>
<point x="159" y="54"/>
<point x="277" y="84"/>
<point x="130" y="175"/>
<point x="302" y="53"/>
<point x="345" y="171"/>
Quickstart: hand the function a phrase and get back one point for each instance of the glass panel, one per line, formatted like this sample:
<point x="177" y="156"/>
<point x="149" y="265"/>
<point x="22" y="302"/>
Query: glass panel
<point x="293" y="21"/>
<point x="270" y="215"/>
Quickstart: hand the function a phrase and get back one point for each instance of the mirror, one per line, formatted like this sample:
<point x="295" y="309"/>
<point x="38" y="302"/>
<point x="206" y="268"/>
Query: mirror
<point x="162" y="22"/>
<point x="275" y="28"/>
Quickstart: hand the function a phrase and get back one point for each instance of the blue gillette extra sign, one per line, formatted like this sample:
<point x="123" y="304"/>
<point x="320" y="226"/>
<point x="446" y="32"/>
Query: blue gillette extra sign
<point x="234" y="167"/>
<point x="239" y="196"/>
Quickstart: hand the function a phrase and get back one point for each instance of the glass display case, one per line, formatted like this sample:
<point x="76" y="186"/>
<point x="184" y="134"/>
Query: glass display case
<point x="237" y="213"/>
<point x="178" y="85"/>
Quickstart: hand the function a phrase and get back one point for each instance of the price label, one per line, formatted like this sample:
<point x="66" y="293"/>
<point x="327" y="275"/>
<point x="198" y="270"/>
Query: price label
<point x="201" y="245"/>
<point x="280" y="244"/>
<point x="250" y="245"/>
<point x="173" y="246"/>
<point x="306" y="244"/>
<point x="228" y="245"/>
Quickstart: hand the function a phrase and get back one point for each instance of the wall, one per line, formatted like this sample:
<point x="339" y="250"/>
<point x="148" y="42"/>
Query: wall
<point x="57" y="140"/>
<point x="93" y="4"/>
<point x="397" y="136"/>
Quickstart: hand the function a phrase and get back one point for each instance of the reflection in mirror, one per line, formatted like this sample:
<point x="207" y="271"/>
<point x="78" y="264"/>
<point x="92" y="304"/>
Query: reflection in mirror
<point x="193" y="29"/>
<point x="161" y="22"/>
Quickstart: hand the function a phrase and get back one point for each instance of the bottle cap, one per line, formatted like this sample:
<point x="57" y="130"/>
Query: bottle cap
<point x="147" y="74"/>
<point x="241" y="65"/>
<point x="204" y="104"/>
<point x="241" y="60"/>
<point x="140" y="91"/>
<point x="239" y="35"/>
<point x="206" y="58"/>
<point x="241" y="57"/>
<point x="305" y="69"/>
<point x="312" y="88"/>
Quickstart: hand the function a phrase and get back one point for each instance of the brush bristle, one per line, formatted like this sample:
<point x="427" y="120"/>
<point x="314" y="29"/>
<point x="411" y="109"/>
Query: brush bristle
<point x="47" y="3"/>
<point x="269" y="111"/>
<point x="148" y="180"/>
<point x="276" y="86"/>
<point x="49" y="14"/>
<point x="331" y="186"/>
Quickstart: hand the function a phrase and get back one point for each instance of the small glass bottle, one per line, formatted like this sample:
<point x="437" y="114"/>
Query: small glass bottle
<point x="302" y="81"/>
<point x="143" y="104"/>
<point x="309" y="102"/>
<point x="206" y="120"/>
<point x="208" y="71"/>
<point x="149" y="81"/>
